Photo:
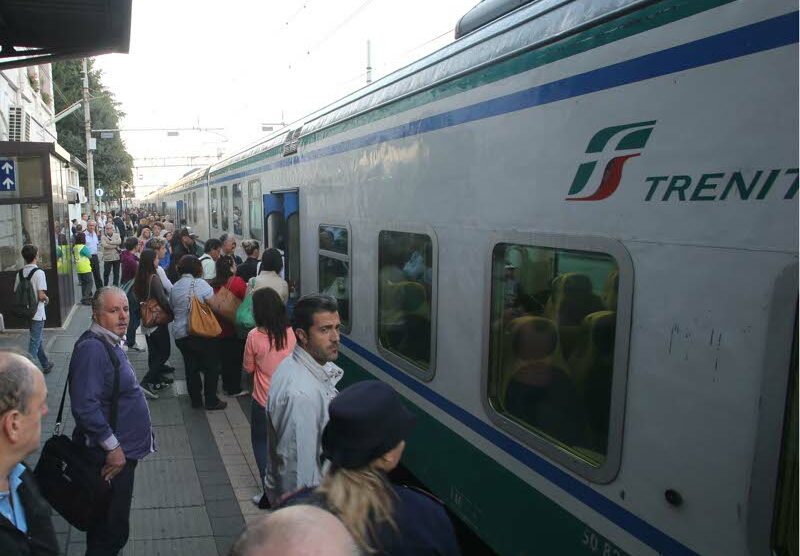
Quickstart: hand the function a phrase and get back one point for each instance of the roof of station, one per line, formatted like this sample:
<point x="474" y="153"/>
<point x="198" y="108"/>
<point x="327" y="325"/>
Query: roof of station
<point x="43" y="32"/>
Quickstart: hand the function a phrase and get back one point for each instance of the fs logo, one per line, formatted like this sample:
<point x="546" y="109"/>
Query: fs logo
<point x="628" y="137"/>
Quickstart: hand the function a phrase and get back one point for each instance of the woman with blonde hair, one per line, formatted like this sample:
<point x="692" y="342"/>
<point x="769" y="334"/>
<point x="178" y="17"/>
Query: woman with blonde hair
<point x="364" y="441"/>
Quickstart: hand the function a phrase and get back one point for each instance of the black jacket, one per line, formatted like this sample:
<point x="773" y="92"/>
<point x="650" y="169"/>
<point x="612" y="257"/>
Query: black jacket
<point x="247" y="269"/>
<point x="423" y="527"/>
<point x="40" y="539"/>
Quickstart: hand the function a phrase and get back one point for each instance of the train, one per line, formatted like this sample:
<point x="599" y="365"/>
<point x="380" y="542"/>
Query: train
<point x="569" y="239"/>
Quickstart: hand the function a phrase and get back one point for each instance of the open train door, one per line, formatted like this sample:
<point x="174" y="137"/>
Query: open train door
<point x="282" y="225"/>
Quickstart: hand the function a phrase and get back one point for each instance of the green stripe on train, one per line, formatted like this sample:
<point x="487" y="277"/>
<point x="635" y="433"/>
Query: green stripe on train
<point x="506" y="512"/>
<point x="639" y="21"/>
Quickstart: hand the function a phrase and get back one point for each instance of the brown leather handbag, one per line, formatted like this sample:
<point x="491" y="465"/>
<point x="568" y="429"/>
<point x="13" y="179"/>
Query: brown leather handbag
<point x="202" y="321"/>
<point x="151" y="311"/>
<point x="225" y="304"/>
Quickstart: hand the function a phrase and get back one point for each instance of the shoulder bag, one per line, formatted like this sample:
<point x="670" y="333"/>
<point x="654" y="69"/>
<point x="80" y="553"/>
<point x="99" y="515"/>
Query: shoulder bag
<point x="202" y="321"/>
<point x="151" y="311"/>
<point x="245" y="321"/>
<point x="68" y="477"/>
<point x="225" y="304"/>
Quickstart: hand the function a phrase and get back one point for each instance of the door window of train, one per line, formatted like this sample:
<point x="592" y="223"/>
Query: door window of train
<point x="551" y="344"/>
<point x="223" y="202"/>
<point x="214" y="209"/>
<point x="237" y="209"/>
<point x="405" y="293"/>
<point x="785" y="525"/>
<point x="334" y="268"/>
<point x="256" y="218"/>
<point x="194" y="206"/>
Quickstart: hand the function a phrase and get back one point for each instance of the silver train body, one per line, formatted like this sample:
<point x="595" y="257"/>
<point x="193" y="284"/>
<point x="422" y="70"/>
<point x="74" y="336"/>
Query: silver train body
<point x="640" y="156"/>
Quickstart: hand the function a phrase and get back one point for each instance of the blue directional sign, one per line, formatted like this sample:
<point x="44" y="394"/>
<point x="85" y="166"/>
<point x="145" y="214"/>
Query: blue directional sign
<point x="8" y="174"/>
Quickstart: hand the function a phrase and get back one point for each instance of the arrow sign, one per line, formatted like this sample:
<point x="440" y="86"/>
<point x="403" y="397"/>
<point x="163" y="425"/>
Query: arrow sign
<point x="99" y="192"/>
<point x="8" y="177"/>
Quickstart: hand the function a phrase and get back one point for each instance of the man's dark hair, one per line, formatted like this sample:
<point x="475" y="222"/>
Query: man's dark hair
<point x="212" y="244"/>
<point x="80" y="237"/>
<point x="29" y="252"/>
<point x="269" y="313"/>
<point x="308" y="306"/>
<point x="224" y="237"/>
<point x="189" y="264"/>
<point x="113" y="213"/>
<point x="272" y="260"/>
<point x="130" y="243"/>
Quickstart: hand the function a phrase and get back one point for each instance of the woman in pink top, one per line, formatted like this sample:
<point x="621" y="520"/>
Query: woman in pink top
<point x="267" y="344"/>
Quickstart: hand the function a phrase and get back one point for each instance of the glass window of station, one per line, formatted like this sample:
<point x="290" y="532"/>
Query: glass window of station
<point x="551" y="344"/>
<point x="256" y="209"/>
<point x="405" y="293"/>
<point x="334" y="268"/>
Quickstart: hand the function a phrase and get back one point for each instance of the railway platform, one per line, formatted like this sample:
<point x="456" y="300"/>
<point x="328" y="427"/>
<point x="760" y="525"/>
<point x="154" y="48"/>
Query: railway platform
<point x="193" y="496"/>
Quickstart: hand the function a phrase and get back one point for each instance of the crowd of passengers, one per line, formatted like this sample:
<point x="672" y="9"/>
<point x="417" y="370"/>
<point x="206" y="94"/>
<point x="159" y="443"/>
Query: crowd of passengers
<point x="324" y="456"/>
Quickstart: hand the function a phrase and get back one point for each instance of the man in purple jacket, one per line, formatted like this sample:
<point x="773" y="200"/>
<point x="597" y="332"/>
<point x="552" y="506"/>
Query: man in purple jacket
<point x="117" y="449"/>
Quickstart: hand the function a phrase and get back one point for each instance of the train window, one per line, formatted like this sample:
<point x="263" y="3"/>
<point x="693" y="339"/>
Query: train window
<point x="552" y="343"/>
<point x="223" y="204"/>
<point x="214" y="209"/>
<point x="255" y="204"/>
<point x="237" y="209"/>
<point x="194" y="206"/>
<point x="785" y="528"/>
<point x="334" y="268"/>
<point x="405" y="299"/>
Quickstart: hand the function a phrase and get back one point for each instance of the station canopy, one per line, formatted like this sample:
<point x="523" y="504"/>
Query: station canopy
<point x="43" y="31"/>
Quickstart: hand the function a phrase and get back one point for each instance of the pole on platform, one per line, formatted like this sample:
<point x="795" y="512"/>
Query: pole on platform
<point x="369" y="63"/>
<point x="87" y="122"/>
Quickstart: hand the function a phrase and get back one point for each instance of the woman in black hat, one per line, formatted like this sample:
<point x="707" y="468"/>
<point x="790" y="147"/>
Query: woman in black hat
<point x="364" y="441"/>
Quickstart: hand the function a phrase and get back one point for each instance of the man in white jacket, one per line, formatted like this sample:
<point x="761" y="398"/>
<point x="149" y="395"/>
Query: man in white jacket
<point x="301" y="390"/>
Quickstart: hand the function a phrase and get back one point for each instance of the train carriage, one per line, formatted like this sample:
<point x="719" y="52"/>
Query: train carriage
<point x="569" y="240"/>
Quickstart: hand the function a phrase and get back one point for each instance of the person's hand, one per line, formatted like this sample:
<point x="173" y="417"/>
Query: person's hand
<point x="115" y="461"/>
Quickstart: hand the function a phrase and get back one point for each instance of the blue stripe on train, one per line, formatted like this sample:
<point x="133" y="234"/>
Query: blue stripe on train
<point x="758" y="37"/>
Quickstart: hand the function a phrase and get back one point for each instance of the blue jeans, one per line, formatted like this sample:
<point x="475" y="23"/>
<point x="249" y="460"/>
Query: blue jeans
<point x="133" y="322"/>
<point x="258" y="437"/>
<point x="35" y="347"/>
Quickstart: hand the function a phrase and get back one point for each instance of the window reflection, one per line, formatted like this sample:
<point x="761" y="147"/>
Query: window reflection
<point x="552" y="343"/>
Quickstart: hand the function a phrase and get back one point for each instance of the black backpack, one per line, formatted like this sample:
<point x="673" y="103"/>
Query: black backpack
<point x="26" y="299"/>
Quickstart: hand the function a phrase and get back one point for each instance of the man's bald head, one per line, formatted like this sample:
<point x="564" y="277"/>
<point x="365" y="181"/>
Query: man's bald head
<point x="296" y="531"/>
<point x="16" y="381"/>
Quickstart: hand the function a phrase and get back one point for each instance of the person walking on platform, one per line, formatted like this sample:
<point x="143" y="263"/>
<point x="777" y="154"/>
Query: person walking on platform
<point x="83" y="266"/>
<point x="130" y="265"/>
<point x="119" y="224"/>
<point x="147" y="285"/>
<point x="26" y="528"/>
<point x="364" y="441"/>
<point x="249" y="268"/>
<point x="209" y="259"/>
<point x="111" y="243"/>
<point x="229" y="247"/>
<point x="269" y="275"/>
<point x="96" y="358"/>
<point x="200" y="355"/>
<point x="93" y="244"/>
<point x="38" y="282"/>
<point x="267" y="346"/>
<point x="231" y="347"/>
<point x="297" y="406"/>
<point x="182" y="244"/>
